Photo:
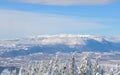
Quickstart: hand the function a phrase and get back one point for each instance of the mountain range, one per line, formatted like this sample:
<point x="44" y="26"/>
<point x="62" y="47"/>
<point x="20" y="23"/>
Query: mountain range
<point x="66" y="43"/>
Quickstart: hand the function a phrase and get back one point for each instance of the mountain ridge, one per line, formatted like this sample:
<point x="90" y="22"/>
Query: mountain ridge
<point x="61" y="43"/>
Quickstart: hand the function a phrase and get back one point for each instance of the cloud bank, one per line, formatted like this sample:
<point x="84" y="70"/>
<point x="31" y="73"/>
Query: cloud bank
<point x="67" y="2"/>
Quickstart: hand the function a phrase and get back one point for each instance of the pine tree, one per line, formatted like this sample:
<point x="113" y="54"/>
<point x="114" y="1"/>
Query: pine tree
<point x="117" y="72"/>
<point x="64" y="69"/>
<point x="72" y="65"/>
<point x="86" y="67"/>
<point x="49" y="71"/>
<point x="56" y="69"/>
<point x="96" y="67"/>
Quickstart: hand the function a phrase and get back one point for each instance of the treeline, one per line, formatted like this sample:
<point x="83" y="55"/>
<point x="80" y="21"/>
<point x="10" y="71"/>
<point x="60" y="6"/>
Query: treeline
<point x="71" y="67"/>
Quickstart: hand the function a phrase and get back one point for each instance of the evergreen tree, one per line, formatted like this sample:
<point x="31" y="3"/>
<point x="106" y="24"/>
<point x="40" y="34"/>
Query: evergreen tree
<point x="96" y="67"/>
<point x="86" y="67"/>
<point x="72" y="66"/>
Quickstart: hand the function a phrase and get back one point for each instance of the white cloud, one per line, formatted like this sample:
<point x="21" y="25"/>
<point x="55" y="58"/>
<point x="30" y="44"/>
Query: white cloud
<point x="15" y="23"/>
<point x="68" y="2"/>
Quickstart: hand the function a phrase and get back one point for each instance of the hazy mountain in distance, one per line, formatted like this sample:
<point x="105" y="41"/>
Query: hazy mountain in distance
<point x="60" y="43"/>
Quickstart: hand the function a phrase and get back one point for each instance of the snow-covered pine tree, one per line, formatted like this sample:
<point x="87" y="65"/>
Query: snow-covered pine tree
<point x="49" y="70"/>
<point x="85" y="67"/>
<point x="41" y="68"/>
<point x="73" y="68"/>
<point x="64" y="69"/>
<point x="96" y="67"/>
<point x="102" y="71"/>
<point x="117" y="71"/>
<point x="72" y="65"/>
<point x="56" y="69"/>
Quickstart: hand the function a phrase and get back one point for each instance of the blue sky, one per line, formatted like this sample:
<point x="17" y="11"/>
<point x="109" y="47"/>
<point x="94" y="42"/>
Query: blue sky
<point x="20" y="18"/>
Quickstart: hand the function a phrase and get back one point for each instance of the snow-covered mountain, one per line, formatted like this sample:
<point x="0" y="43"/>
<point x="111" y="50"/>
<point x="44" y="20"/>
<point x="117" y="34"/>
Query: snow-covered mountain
<point x="70" y="39"/>
<point x="59" y="43"/>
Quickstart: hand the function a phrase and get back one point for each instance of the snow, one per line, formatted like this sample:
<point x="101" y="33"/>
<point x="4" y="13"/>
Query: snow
<point x="67" y="39"/>
<point x="5" y="72"/>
